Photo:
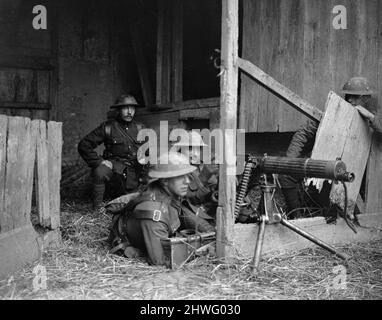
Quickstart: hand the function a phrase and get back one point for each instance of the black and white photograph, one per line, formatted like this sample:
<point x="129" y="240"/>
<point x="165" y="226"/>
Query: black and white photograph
<point x="203" y="152"/>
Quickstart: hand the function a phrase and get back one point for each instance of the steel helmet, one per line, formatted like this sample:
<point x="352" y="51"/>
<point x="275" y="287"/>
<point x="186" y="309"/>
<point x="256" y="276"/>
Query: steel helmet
<point x="125" y="100"/>
<point x="194" y="140"/>
<point x="170" y="165"/>
<point x="357" y="86"/>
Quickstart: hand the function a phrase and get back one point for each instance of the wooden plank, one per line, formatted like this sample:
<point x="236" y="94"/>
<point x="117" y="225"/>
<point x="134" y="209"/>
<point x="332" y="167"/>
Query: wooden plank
<point x="29" y="178"/>
<point x="19" y="163"/>
<point x="3" y="161"/>
<point x="269" y="61"/>
<point x="181" y="105"/>
<point x="318" y="75"/>
<point x="291" y="49"/>
<point x="249" y="91"/>
<point x="25" y="105"/>
<point x="54" y="170"/>
<point x="163" y="83"/>
<point x="135" y="33"/>
<point x="177" y="51"/>
<point x="374" y="177"/>
<point x="279" y="239"/>
<point x="341" y="131"/>
<point x="160" y="39"/>
<point x="40" y="114"/>
<point x="228" y="120"/>
<point x="53" y="75"/>
<point x="281" y="91"/>
<point x="42" y="178"/>
<point x="25" y="62"/>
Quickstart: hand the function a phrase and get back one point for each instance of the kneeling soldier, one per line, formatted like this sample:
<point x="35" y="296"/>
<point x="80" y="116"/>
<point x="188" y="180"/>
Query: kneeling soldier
<point x="159" y="212"/>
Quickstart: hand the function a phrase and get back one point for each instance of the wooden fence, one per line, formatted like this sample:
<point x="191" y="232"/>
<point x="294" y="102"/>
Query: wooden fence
<point x="30" y="155"/>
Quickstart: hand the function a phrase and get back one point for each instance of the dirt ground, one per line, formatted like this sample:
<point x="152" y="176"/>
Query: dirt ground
<point x="82" y="268"/>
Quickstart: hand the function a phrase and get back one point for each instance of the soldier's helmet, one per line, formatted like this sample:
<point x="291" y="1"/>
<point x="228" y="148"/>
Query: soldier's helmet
<point x="125" y="100"/>
<point x="171" y="165"/>
<point x="359" y="86"/>
<point x="194" y="140"/>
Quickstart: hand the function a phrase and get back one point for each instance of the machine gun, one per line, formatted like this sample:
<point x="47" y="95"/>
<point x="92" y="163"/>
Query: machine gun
<point x="269" y="213"/>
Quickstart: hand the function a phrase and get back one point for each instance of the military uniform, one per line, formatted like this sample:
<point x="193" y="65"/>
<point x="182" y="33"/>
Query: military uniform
<point x="154" y="215"/>
<point x="200" y="191"/>
<point x="121" y="146"/>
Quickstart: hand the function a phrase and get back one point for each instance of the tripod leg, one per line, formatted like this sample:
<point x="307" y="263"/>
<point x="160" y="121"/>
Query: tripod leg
<point x="312" y="238"/>
<point x="259" y="246"/>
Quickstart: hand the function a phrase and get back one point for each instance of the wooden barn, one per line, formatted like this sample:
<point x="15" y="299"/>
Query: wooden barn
<point x="265" y="66"/>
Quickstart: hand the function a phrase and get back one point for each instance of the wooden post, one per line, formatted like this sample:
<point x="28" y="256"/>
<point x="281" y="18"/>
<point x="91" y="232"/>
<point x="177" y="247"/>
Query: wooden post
<point x="54" y="170"/>
<point x="136" y="39"/>
<point x="177" y="51"/>
<point x="3" y="158"/>
<point x="169" y="77"/>
<point x="163" y="77"/>
<point x="42" y="178"/>
<point x="228" y="120"/>
<point x="19" y="173"/>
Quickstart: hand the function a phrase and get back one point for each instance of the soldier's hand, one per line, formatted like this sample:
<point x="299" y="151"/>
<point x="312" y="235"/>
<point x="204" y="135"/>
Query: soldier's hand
<point x="107" y="163"/>
<point x="212" y="168"/>
<point x="365" y="113"/>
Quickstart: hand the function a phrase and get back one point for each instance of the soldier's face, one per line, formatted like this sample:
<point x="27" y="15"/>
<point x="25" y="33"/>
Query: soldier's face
<point x="194" y="154"/>
<point x="356" y="100"/>
<point x="178" y="185"/>
<point x="127" y="113"/>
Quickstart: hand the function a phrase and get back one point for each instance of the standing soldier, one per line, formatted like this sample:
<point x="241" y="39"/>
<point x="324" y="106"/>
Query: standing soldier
<point x="159" y="212"/>
<point x="119" y="160"/>
<point x="358" y="93"/>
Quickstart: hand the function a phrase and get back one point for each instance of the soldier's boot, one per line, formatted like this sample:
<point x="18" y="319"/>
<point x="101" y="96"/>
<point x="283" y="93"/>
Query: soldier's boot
<point x="98" y="192"/>
<point x="293" y="202"/>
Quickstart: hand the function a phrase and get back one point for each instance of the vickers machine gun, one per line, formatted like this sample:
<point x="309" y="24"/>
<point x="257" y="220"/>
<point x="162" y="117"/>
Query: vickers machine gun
<point x="269" y="213"/>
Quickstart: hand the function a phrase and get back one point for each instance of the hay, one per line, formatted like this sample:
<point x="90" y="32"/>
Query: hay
<point x="83" y="269"/>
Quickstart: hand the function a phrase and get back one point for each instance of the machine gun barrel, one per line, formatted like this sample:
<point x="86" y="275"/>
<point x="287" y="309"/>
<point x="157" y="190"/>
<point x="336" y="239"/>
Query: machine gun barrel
<point x="310" y="168"/>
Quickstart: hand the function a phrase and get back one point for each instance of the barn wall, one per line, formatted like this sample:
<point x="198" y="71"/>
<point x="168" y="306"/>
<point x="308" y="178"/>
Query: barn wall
<point x="294" y="41"/>
<point x="26" y="61"/>
<point x="96" y="63"/>
<point x="71" y="72"/>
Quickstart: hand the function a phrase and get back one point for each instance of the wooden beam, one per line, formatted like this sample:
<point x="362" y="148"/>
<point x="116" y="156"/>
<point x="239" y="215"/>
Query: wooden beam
<point x="282" y="240"/>
<point x="25" y="105"/>
<point x="181" y="105"/>
<point x="279" y="90"/>
<point x="228" y="121"/>
<point x="135" y="26"/>
<point x="177" y="51"/>
<point x="163" y="76"/>
<point x="25" y="62"/>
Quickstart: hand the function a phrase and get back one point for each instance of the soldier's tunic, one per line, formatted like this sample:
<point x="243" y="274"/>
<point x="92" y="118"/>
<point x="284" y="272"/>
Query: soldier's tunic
<point x="121" y="146"/>
<point x="154" y="215"/>
<point x="200" y="191"/>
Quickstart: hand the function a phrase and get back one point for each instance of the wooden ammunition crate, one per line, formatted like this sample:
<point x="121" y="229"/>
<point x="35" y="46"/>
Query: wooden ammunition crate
<point x="179" y="250"/>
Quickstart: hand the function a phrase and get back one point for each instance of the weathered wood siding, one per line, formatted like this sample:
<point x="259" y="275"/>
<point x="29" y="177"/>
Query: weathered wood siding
<point x="295" y="42"/>
<point x="27" y="61"/>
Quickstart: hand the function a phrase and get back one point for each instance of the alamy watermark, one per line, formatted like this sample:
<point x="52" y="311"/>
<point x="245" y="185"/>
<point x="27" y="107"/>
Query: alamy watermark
<point x="220" y="146"/>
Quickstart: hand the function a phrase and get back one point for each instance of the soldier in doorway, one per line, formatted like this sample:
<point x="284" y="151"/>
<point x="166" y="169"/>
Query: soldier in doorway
<point x="119" y="160"/>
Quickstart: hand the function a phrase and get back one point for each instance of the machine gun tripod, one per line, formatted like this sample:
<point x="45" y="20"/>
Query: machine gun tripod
<point x="269" y="212"/>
